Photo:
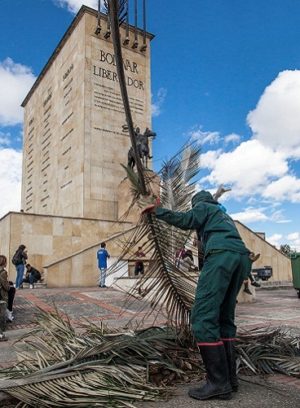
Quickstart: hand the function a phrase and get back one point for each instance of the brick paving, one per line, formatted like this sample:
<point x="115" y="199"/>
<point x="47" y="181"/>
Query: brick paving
<point x="81" y="305"/>
<point x="271" y="308"/>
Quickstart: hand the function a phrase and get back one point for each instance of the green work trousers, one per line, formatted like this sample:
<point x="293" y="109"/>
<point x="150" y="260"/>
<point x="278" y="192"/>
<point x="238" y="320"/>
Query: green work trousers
<point x="218" y="286"/>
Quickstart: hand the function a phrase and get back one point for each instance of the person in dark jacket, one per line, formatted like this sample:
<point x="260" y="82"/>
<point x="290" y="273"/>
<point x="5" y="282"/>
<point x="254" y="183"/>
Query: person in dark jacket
<point x="32" y="276"/>
<point x="19" y="260"/>
<point x="139" y="264"/>
<point x="7" y="290"/>
<point x="226" y="265"/>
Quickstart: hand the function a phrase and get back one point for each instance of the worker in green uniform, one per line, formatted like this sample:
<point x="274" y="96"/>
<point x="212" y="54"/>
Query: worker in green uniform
<point x="226" y="265"/>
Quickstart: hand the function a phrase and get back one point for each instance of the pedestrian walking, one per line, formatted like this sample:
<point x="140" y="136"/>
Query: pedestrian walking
<point x="102" y="256"/>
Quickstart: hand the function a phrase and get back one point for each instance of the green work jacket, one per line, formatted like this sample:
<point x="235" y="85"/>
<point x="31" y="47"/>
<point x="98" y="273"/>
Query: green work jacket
<point x="214" y="227"/>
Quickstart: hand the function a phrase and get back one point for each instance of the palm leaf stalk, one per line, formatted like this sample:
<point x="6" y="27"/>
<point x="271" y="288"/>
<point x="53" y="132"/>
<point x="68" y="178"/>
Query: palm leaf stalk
<point x="176" y="306"/>
<point x="116" y="11"/>
<point x="167" y="287"/>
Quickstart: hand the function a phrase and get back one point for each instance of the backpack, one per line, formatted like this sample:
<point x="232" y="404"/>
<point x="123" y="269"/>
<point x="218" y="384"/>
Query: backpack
<point x="16" y="259"/>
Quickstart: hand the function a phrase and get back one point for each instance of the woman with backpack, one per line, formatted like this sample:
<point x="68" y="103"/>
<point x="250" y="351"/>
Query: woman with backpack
<point x="19" y="260"/>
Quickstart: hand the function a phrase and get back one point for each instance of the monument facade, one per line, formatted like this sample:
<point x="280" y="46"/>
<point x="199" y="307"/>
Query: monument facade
<point x="73" y="146"/>
<point x="73" y="187"/>
<point x="73" y="121"/>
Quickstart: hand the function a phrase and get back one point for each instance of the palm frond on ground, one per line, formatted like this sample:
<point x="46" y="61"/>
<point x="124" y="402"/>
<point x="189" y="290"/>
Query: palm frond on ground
<point x="267" y="351"/>
<point x="99" y="367"/>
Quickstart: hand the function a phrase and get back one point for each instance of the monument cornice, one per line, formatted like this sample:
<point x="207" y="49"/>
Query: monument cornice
<point x="30" y="214"/>
<point x="71" y="28"/>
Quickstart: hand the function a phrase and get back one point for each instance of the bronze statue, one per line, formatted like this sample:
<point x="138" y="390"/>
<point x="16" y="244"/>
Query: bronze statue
<point x="142" y="141"/>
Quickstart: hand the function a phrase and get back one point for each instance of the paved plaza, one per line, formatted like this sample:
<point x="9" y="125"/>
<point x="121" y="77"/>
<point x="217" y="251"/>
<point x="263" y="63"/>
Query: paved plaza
<point x="272" y="308"/>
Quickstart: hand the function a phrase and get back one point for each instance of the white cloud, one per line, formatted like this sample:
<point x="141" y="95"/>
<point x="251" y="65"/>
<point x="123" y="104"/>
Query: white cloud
<point x="15" y="82"/>
<point x="260" y="166"/>
<point x="275" y="239"/>
<point x="10" y="180"/>
<point x="293" y="239"/>
<point x="204" y="137"/>
<point x="248" y="168"/>
<point x="159" y="100"/>
<point x="293" y="236"/>
<point x="232" y="138"/>
<point x="74" y="5"/>
<point x="275" y="120"/>
<point x="269" y="212"/>
<point x="286" y="188"/>
<point x="279" y="217"/>
<point x="250" y="215"/>
<point x="208" y="159"/>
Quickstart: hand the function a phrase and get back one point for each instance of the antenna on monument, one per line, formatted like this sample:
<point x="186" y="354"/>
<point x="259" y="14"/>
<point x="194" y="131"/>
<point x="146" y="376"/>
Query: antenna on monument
<point x="126" y="41"/>
<point x="108" y="32"/>
<point x="144" y="46"/>
<point x="123" y="11"/>
<point x="98" y="28"/>
<point x="135" y="43"/>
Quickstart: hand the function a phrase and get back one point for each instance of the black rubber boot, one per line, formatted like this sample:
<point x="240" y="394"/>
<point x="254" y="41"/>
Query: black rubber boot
<point x="229" y="346"/>
<point x="246" y="288"/>
<point x="217" y="384"/>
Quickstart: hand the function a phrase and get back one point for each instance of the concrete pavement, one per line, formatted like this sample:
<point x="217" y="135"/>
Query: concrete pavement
<point x="272" y="308"/>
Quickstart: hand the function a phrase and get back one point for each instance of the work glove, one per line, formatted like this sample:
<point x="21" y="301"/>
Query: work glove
<point x="151" y="207"/>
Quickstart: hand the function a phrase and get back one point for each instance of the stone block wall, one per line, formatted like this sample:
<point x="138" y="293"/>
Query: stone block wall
<point x="50" y="238"/>
<point x="269" y="255"/>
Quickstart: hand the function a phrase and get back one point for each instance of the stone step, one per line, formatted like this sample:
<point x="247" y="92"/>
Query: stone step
<point x="38" y="285"/>
<point x="275" y="285"/>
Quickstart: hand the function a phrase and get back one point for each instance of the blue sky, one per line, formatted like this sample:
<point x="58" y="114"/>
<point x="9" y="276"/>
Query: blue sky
<point x="226" y="73"/>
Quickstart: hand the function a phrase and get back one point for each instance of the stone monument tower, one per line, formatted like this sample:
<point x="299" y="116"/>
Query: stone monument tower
<point x="74" y="144"/>
<point x="73" y="138"/>
<point x="73" y="185"/>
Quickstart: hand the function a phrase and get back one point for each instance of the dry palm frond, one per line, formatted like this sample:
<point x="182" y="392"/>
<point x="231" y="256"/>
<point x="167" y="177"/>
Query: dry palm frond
<point x="104" y="368"/>
<point x="265" y="351"/>
<point x="166" y="286"/>
<point x="97" y="368"/>
<point x="178" y="178"/>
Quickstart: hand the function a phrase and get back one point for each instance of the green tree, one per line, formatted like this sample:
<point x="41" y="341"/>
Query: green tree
<point x="287" y="250"/>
